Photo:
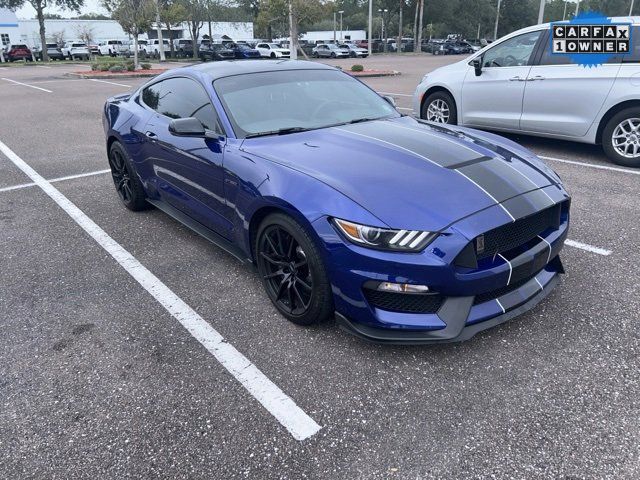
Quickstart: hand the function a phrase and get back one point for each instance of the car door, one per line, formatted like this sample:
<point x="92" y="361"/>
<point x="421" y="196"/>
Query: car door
<point x="494" y="98"/>
<point x="556" y="90"/>
<point x="188" y="171"/>
<point x="263" y="48"/>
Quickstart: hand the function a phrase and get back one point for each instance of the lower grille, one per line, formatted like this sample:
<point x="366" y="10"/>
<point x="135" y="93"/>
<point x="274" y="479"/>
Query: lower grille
<point x="404" y="302"/>
<point x="499" y="292"/>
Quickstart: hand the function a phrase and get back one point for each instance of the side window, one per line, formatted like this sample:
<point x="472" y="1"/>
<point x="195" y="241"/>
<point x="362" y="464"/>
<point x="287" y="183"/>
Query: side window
<point x="513" y="52"/>
<point x="182" y="98"/>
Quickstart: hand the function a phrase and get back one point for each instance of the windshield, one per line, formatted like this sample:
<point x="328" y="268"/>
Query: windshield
<point x="80" y="45"/>
<point x="274" y="45"/>
<point x="263" y="103"/>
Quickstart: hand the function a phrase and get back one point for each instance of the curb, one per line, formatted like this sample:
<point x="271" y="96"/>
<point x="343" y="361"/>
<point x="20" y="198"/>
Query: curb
<point x="374" y="74"/>
<point x="115" y="75"/>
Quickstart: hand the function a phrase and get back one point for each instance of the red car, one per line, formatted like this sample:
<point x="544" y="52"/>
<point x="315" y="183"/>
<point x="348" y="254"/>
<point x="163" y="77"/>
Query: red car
<point x="362" y="43"/>
<point x="18" y="52"/>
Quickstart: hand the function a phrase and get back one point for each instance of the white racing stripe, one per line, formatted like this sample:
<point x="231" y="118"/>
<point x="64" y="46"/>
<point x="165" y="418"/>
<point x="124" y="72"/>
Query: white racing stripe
<point x="26" y="85"/>
<point x="110" y="83"/>
<point x="588" y="248"/>
<point x="591" y="165"/>
<point x="510" y="268"/>
<point x="274" y="400"/>
<point x="53" y="180"/>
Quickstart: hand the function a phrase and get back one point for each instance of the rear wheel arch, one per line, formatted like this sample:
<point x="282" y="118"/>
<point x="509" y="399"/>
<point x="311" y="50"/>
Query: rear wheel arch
<point x="611" y="113"/>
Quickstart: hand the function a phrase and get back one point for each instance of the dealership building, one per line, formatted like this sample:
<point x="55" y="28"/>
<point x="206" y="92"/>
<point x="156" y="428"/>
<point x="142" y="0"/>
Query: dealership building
<point x="14" y="30"/>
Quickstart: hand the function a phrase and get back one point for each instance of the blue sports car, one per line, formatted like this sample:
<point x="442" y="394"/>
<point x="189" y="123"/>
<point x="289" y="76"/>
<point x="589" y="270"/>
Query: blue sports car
<point x="404" y="230"/>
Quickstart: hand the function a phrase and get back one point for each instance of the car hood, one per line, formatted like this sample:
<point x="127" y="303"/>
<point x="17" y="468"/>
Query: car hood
<point x="411" y="174"/>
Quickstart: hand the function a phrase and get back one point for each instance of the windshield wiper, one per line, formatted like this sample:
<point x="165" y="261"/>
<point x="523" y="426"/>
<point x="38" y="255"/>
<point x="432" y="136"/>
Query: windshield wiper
<point x="280" y="131"/>
<point x="361" y="120"/>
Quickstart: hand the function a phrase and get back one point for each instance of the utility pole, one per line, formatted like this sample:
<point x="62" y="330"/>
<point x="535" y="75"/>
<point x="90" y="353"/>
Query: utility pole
<point x="420" y="19"/>
<point x="341" y="32"/>
<point x="577" y="7"/>
<point x="370" y="26"/>
<point x="631" y="8"/>
<point x="541" y="11"/>
<point x="495" y="28"/>
<point x="478" y="35"/>
<point x="293" y="32"/>
<point x="564" y="14"/>
<point x="159" y="30"/>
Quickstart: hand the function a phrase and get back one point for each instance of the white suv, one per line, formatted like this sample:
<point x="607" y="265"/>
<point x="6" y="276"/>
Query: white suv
<point x="153" y="47"/>
<point x="113" y="48"/>
<point x="272" y="50"/>
<point x="515" y="84"/>
<point x="76" y="49"/>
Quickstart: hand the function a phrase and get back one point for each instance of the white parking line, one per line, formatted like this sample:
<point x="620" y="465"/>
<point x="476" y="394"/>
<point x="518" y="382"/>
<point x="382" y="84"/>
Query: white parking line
<point x="404" y="108"/>
<point x="591" y="165"/>
<point x="53" y="180"/>
<point x="588" y="248"/>
<point x="41" y="66"/>
<point x="26" y="85"/>
<point x="283" y="408"/>
<point x="396" y="94"/>
<point x="111" y="83"/>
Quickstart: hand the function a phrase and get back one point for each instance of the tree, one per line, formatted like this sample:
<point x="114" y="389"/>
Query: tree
<point x="93" y="16"/>
<point x="172" y="14"/>
<point x="39" y="6"/>
<point x="134" y="16"/>
<point x="196" y="14"/>
<point x="84" y="33"/>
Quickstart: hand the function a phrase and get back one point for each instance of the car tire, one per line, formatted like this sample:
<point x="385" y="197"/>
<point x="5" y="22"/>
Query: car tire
<point x="333" y="55"/>
<point x="126" y="180"/>
<point x="273" y="55"/>
<point x="293" y="274"/>
<point x="444" y="102"/>
<point x="626" y="123"/>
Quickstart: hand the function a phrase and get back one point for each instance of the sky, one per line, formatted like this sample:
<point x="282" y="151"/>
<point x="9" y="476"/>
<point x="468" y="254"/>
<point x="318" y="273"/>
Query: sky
<point x="90" y="6"/>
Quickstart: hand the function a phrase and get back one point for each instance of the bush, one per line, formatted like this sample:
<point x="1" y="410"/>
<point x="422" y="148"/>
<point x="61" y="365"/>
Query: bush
<point x="95" y="66"/>
<point x="130" y="66"/>
<point x="145" y="66"/>
<point x="357" y="68"/>
<point x="103" y="68"/>
<point x="116" y="68"/>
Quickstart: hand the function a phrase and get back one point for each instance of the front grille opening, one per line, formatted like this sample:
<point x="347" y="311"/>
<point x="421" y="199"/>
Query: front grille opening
<point x="404" y="302"/>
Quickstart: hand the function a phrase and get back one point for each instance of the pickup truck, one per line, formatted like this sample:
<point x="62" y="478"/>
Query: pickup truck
<point x="153" y="48"/>
<point x="113" y="48"/>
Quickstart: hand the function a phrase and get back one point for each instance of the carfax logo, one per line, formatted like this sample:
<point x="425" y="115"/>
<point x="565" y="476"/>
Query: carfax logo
<point x="590" y="39"/>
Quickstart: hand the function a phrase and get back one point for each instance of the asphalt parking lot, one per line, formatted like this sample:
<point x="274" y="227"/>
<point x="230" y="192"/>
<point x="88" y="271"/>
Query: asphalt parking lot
<point x="98" y="379"/>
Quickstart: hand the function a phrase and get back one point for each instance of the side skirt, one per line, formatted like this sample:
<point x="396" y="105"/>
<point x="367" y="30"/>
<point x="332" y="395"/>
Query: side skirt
<point x="201" y="230"/>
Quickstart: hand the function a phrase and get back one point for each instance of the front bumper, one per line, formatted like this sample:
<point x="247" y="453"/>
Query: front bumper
<point x="469" y="298"/>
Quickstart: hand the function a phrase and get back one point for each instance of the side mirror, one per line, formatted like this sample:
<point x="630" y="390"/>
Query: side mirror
<point x="187" y="127"/>
<point x="477" y="66"/>
<point x="390" y="100"/>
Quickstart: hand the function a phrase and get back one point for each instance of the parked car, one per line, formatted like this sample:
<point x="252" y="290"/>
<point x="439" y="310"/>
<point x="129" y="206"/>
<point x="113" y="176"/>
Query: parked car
<point x="76" y="50"/>
<point x="183" y="47"/>
<point x="354" y="50"/>
<point x="18" y="51"/>
<point x="153" y="48"/>
<point x="242" y="50"/>
<point x="330" y="50"/>
<point x="516" y="84"/>
<point x="142" y="47"/>
<point x="272" y="50"/>
<point x="94" y="49"/>
<point x="54" y="52"/>
<point x="434" y="46"/>
<point x="215" y="51"/>
<point x="113" y="48"/>
<point x="402" y="231"/>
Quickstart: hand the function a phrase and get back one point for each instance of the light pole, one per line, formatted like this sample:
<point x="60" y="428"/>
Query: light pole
<point x="631" y="8"/>
<point x="564" y="14"/>
<point x="541" y="11"/>
<point x="370" y="26"/>
<point x="334" y="27"/>
<point x="577" y="7"/>
<point x="341" y="12"/>
<point x="384" y="42"/>
<point x="495" y="28"/>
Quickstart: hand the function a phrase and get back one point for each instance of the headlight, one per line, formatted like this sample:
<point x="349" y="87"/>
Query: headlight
<point x="384" y="239"/>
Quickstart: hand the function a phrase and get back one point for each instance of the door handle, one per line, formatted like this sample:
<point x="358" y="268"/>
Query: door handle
<point x="537" y="77"/>
<point x="150" y="134"/>
<point x="516" y="79"/>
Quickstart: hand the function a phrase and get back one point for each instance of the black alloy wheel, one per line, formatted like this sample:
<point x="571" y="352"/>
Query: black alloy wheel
<point x="127" y="183"/>
<point x="292" y="271"/>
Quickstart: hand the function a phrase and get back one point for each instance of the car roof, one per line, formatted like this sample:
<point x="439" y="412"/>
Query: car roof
<point x="228" y="68"/>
